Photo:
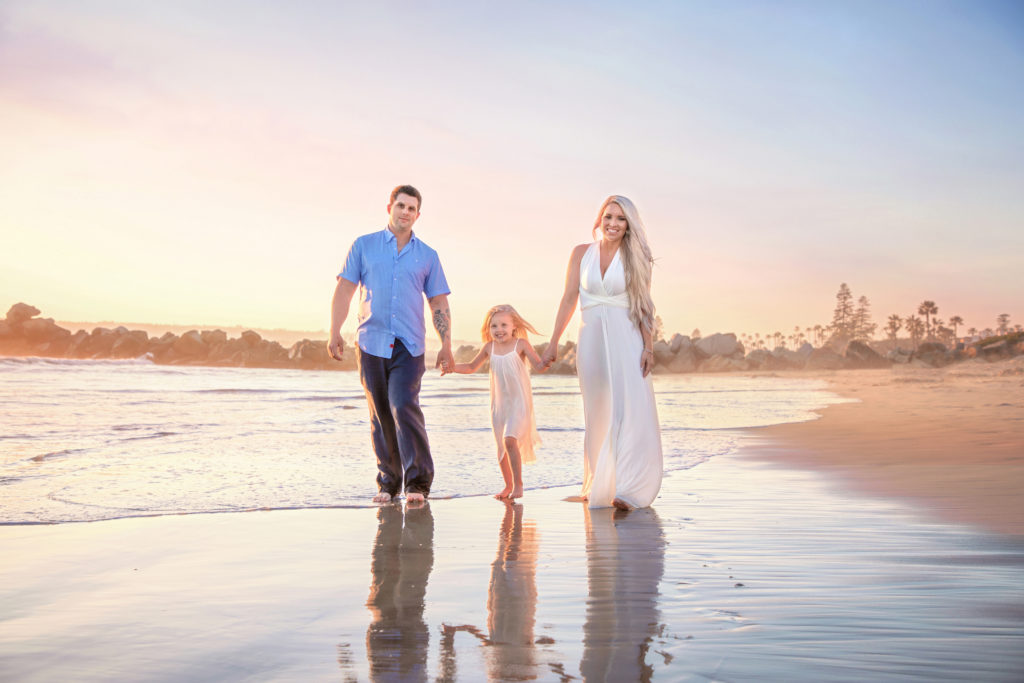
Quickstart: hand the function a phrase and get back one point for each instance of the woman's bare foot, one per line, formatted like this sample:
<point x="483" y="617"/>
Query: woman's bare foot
<point x="383" y="497"/>
<point x="517" y="492"/>
<point x="621" y="505"/>
<point x="504" y="493"/>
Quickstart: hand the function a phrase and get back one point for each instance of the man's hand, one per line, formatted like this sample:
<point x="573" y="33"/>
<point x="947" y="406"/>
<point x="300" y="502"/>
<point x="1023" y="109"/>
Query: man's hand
<point x="445" y="360"/>
<point x="336" y="348"/>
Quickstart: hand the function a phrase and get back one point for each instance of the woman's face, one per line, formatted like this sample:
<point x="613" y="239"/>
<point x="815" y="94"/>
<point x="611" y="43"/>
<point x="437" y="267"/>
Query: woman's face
<point x="613" y="223"/>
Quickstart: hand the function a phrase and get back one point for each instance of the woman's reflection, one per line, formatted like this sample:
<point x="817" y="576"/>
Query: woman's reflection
<point x="403" y="555"/>
<point x="512" y="598"/>
<point x="625" y="562"/>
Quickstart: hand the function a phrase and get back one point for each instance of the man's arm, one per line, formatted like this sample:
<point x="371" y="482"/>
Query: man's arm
<point x="442" y="318"/>
<point x="339" y="311"/>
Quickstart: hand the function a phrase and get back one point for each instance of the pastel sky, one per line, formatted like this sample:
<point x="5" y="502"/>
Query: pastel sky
<point x="210" y="163"/>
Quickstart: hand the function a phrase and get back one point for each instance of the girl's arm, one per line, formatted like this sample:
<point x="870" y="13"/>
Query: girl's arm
<point x="473" y="365"/>
<point x="568" y="304"/>
<point x="535" y="360"/>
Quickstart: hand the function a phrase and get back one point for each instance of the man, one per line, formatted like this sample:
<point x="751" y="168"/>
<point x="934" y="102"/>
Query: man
<point x="395" y="270"/>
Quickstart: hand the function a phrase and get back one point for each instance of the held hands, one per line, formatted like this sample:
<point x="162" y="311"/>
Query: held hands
<point x="550" y="353"/>
<point x="336" y="347"/>
<point x="445" y="360"/>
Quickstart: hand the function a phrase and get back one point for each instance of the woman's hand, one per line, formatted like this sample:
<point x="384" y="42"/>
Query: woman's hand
<point x="647" y="361"/>
<point x="550" y="353"/>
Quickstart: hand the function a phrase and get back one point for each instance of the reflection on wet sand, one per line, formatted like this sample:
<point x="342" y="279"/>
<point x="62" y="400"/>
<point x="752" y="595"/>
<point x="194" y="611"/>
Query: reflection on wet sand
<point x="403" y="554"/>
<point x="625" y="562"/>
<point x="511" y="606"/>
<point x="512" y="599"/>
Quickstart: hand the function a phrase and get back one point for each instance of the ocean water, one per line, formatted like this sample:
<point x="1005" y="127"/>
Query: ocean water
<point x="92" y="440"/>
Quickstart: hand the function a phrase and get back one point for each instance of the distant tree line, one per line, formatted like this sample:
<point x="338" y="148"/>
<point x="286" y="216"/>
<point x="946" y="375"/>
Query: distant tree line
<point x="851" y="320"/>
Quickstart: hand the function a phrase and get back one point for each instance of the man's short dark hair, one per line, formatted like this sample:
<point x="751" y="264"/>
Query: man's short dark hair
<point x="409" y="190"/>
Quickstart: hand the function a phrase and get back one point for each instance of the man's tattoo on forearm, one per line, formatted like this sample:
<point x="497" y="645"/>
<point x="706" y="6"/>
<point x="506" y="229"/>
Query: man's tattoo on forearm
<point x="442" y="322"/>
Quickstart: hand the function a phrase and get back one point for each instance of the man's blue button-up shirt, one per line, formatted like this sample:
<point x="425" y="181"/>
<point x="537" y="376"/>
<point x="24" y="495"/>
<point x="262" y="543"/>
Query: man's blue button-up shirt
<point x="392" y="285"/>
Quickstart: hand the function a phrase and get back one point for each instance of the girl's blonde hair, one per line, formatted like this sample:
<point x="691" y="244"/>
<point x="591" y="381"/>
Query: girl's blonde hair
<point x="637" y="262"/>
<point x="520" y="326"/>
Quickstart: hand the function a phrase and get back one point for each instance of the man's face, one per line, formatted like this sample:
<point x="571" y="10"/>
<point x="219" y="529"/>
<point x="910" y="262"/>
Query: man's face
<point x="403" y="212"/>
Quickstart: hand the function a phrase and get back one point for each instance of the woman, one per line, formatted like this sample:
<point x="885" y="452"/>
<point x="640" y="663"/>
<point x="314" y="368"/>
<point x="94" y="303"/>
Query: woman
<point x="611" y="278"/>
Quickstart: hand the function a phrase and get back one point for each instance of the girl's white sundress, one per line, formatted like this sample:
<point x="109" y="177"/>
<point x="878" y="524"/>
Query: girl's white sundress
<point x="512" y="403"/>
<point x="622" y="445"/>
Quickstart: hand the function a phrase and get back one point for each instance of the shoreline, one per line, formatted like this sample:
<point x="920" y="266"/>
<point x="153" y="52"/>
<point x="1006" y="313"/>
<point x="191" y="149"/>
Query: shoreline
<point x="784" y="561"/>
<point x="950" y="440"/>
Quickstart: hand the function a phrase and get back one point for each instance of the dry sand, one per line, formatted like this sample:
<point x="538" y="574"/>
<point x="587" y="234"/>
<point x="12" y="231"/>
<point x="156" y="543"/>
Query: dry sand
<point x="744" y="570"/>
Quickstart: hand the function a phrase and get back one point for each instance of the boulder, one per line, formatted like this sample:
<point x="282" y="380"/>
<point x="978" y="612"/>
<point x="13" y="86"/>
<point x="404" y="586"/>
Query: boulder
<point x="98" y="344"/>
<point x="42" y="330"/>
<point x="931" y="354"/>
<point x="899" y="356"/>
<point x="686" y="360"/>
<point x="6" y="331"/>
<point x="824" y="359"/>
<point x="251" y="338"/>
<point x="720" y="345"/>
<point x="860" y="355"/>
<point x="996" y="350"/>
<point x="130" y="345"/>
<point x="465" y="353"/>
<point x="19" y="313"/>
<point x="663" y="353"/>
<point x="190" y="345"/>
<point x="214" y="337"/>
<point x="723" y="364"/>
<point x="678" y="341"/>
<point x="789" y="359"/>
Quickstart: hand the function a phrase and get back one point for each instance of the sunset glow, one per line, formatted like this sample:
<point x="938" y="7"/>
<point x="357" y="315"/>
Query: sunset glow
<point x="210" y="164"/>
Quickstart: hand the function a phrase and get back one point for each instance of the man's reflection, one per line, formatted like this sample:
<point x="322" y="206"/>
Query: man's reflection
<point x="625" y="562"/>
<point x="512" y="598"/>
<point x="403" y="555"/>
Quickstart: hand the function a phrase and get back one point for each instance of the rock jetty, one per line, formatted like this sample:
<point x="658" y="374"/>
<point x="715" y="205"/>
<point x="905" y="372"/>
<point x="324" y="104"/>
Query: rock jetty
<point x="24" y="333"/>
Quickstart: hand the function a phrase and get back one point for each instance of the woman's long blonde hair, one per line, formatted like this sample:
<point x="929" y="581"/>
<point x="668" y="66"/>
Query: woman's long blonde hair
<point x="637" y="262"/>
<point x="521" y="327"/>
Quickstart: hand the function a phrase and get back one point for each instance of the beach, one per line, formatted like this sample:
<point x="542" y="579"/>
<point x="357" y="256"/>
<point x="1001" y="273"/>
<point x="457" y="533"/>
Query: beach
<point x="882" y="541"/>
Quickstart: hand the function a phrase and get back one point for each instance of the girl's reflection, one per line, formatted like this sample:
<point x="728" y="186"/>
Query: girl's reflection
<point x="512" y="599"/>
<point x="403" y="555"/>
<point x="625" y="562"/>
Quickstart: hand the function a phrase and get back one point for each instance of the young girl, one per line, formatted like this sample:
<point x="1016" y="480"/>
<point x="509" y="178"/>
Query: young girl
<point x="515" y="429"/>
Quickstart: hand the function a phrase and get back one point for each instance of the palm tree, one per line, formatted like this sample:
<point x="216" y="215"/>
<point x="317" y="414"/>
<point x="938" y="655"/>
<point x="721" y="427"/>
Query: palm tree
<point x="956" y="321"/>
<point x="972" y="332"/>
<point x="914" y="327"/>
<point x="893" y="327"/>
<point x="1003" y="320"/>
<point x="927" y="309"/>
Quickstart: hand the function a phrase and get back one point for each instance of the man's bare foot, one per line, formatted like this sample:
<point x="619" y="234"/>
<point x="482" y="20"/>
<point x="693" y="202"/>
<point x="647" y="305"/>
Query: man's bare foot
<point x="415" y="499"/>
<point x="504" y="493"/>
<point x="383" y="497"/>
<point x="621" y="505"/>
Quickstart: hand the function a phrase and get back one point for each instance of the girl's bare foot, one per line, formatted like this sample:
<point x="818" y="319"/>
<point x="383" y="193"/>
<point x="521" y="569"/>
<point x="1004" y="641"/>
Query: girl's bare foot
<point x="503" y="495"/>
<point x="517" y="492"/>
<point x="621" y="505"/>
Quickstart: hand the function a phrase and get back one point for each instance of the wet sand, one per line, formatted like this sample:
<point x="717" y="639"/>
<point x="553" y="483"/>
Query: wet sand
<point x="757" y="566"/>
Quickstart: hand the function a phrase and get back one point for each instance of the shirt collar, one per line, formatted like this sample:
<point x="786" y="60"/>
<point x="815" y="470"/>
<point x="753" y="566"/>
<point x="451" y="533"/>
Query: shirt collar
<point x="390" y="236"/>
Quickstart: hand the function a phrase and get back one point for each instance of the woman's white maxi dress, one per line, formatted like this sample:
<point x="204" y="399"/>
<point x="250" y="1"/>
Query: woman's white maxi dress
<point x="622" y="446"/>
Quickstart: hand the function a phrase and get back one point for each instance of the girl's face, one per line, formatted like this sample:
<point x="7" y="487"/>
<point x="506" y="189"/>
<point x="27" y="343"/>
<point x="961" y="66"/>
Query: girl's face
<point x="613" y="223"/>
<point x="502" y="327"/>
